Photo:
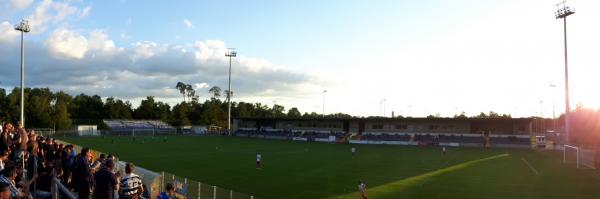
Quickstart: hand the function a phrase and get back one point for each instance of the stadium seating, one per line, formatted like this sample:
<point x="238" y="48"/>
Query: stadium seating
<point x="425" y="138"/>
<point x="139" y="126"/>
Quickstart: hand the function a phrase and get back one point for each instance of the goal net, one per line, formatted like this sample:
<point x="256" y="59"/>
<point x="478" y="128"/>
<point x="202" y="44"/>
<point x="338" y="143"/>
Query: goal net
<point x="582" y="158"/>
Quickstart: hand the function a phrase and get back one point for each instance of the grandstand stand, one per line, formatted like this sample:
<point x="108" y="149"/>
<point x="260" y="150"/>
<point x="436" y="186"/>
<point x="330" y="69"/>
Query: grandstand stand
<point x="139" y="126"/>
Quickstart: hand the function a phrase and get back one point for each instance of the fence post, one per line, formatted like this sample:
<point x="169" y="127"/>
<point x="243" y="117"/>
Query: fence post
<point x="162" y="181"/>
<point x="578" y="157"/>
<point x="199" y="189"/>
<point x="185" y="188"/>
<point x="214" y="192"/>
<point x="54" y="190"/>
<point x="564" y="154"/>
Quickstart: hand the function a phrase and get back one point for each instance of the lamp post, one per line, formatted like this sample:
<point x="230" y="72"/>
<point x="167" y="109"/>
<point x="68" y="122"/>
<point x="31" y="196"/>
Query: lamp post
<point x="562" y="12"/>
<point x="542" y="121"/>
<point x="553" y="109"/>
<point x="24" y="28"/>
<point x="229" y="54"/>
<point x="324" y="92"/>
<point x="382" y="106"/>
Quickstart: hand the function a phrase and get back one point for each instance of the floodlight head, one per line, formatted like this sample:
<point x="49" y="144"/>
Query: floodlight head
<point x="23" y="26"/>
<point x="562" y="10"/>
<point x="231" y="53"/>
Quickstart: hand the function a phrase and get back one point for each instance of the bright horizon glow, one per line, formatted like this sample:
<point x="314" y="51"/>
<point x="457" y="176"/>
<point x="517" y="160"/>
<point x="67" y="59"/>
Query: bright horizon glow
<point x="423" y="57"/>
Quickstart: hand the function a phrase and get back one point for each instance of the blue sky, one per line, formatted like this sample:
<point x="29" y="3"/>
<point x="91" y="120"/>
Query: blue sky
<point x="422" y="57"/>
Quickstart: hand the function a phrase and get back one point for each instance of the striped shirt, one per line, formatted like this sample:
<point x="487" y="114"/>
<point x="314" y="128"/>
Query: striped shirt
<point x="131" y="184"/>
<point x="14" y="192"/>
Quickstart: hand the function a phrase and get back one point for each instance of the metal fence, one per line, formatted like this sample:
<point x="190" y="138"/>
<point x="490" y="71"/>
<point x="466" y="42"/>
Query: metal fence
<point x="60" y="191"/>
<point x="197" y="190"/>
<point x="156" y="182"/>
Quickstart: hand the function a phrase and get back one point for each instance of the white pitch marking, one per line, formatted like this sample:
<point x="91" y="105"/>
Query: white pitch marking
<point x="531" y="167"/>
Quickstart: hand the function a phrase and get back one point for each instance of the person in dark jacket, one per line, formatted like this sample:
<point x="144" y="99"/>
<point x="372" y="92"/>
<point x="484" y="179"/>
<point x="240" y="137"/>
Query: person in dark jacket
<point x="105" y="182"/>
<point x="82" y="174"/>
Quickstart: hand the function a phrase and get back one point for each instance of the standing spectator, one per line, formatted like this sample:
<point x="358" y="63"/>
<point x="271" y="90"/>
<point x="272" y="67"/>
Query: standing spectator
<point x="66" y="164"/>
<point x="105" y="182"/>
<point x="5" y="137"/>
<point x="82" y="173"/>
<point x="169" y="193"/>
<point x="4" y="190"/>
<point x="131" y="184"/>
<point x="8" y="176"/>
<point x="33" y="162"/>
<point x="21" y="142"/>
<point x="99" y="162"/>
<point x="3" y="159"/>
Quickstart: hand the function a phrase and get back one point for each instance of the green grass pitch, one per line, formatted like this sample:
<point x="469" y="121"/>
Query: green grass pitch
<point x="295" y="170"/>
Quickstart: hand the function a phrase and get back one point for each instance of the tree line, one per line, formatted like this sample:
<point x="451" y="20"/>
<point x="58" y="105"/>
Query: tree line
<point x="47" y="109"/>
<point x="59" y="110"/>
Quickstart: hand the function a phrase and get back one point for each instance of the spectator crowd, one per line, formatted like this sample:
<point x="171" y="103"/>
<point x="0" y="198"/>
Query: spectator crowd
<point x="29" y="163"/>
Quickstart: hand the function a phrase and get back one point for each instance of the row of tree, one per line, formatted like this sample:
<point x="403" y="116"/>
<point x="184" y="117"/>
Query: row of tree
<point x="47" y="109"/>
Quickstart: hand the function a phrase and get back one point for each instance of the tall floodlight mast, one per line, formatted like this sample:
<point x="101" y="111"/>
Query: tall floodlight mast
<point x="231" y="53"/>
<point x="23" y="27"/>
<point x="562" y="12"/>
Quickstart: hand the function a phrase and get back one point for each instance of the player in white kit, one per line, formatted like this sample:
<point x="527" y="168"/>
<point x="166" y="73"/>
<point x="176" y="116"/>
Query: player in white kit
<point x="258" y="158"/>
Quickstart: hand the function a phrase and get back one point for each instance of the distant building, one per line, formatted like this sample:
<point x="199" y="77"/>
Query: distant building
<point x="473" y="132"/>
<point x="87" y="130"/>
<point x="495" y="126"/>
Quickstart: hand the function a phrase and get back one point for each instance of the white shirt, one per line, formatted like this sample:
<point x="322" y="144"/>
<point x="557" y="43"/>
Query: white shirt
<point x="362" y="187"/>
<point x="444" y="149"/>
<point x="258" y="157"/>
<point x="353" y="150"/>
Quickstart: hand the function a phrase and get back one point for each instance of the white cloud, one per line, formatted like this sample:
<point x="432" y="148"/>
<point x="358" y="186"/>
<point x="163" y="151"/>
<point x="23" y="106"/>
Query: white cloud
<point x="188" y="24"/>
<point x="99" y="40"/>
<point x="124" y="36"/>
<point x="210" y="50"/>
<point x="7" y="32"/>
<point x="64" y="43"/>
<point x="201" y="85"/>
<point x="68" y="62"/>
<point x="85" y="12"/>
<point x="146" y="50"/>
<point x="20" y="4"/>
<point x="50" y="12"/>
